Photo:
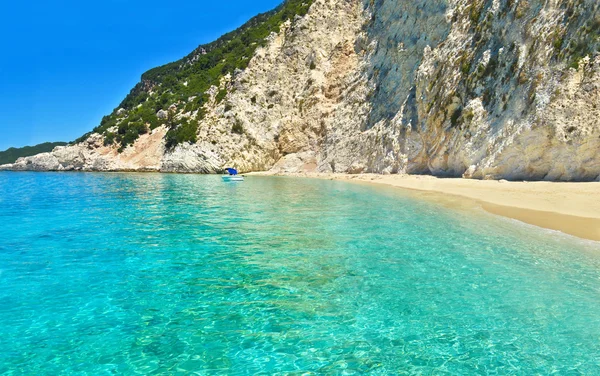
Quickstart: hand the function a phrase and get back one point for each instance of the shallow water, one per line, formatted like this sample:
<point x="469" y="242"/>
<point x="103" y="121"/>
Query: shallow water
<point x="176" y="274"/>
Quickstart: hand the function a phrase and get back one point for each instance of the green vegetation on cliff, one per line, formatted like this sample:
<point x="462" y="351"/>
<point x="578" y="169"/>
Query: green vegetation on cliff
<point x="582" y="36"/>
<point x="11" y="155"/>
<point x="184" y="83"/>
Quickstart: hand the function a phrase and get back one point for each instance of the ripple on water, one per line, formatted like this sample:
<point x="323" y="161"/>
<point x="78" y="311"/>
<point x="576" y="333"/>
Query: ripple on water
<point x="163" y="274"/>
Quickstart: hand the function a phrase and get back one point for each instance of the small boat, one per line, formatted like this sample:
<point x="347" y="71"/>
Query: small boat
<point x="232" y="178"/>
<point x="233" y="175"/>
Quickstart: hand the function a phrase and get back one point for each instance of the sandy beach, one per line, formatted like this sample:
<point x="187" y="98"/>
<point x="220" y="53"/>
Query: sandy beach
<point x="572" y="208"/>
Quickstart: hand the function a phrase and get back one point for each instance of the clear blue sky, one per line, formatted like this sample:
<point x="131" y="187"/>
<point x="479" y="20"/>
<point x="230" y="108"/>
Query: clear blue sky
<point x="66" y="63"/>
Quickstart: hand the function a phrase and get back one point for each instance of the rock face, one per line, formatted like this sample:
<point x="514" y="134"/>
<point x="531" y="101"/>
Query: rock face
<point x="92" y="155"/>
<point x="486" y="89"/>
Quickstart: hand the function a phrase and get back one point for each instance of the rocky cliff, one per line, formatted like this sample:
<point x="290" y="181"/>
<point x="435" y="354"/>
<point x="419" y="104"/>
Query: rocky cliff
<point x="484" y="89"/>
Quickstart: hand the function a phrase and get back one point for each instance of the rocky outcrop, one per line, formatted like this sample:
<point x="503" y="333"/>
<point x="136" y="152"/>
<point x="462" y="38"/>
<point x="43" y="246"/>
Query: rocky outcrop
<point x="485" y="89"/>
<point x="92" y="155"/>
<point x="191" y="159"/>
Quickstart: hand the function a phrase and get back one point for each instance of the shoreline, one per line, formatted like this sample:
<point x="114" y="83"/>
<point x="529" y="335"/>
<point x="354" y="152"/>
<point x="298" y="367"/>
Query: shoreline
<point x="571" y="208"/>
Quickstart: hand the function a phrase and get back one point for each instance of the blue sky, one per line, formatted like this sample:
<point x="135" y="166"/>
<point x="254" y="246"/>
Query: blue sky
<point x="64" y="64"/>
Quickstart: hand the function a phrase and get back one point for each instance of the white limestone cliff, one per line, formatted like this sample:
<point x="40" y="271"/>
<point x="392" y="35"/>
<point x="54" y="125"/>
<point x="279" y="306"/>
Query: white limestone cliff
<point x="467" y="88"/>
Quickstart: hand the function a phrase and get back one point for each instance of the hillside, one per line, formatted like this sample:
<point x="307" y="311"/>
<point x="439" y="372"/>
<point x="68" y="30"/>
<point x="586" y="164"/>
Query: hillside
<point x="185" y="82"/>
<point x="486" y="89"/>
<point x="12" y="154"/>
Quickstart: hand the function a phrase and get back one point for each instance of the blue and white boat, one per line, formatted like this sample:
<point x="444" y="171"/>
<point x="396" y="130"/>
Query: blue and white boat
<point x="233" y="175"/>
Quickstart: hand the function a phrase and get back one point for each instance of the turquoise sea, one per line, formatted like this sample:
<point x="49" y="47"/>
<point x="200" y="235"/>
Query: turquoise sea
<point x="153" y="274"/>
